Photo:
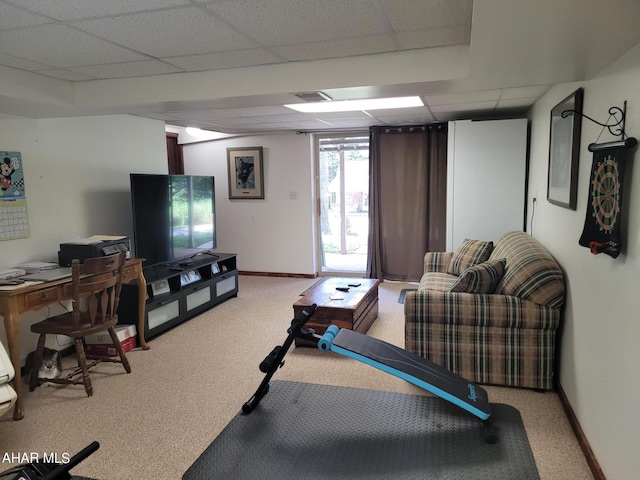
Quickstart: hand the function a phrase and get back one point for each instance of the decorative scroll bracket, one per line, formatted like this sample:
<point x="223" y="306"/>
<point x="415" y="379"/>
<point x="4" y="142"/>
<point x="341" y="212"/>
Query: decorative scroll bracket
<point x="616" y="129"/>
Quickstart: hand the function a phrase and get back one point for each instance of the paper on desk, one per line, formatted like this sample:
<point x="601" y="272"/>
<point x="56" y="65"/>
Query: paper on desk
<point x="94" y="239"/>
<point x="34" y="267"/>
<point x="82" y="241"/>
<point x="107" y="238"/>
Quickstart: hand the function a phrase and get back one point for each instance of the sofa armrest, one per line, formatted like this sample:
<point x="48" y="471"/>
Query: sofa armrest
<point x="475" y="309"/>
<point x="437" y="261"/>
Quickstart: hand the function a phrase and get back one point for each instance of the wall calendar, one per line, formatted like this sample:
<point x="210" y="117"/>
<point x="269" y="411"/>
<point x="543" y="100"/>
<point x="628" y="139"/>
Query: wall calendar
<point x="13" y="201"/>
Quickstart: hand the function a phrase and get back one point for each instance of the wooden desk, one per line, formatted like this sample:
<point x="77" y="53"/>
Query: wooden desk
<point x="18" y="300"/>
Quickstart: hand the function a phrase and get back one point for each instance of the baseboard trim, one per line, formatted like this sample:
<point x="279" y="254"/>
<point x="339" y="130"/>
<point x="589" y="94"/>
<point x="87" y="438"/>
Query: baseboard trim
<point x="275" y="274"/>
<point x="594" y="466"/>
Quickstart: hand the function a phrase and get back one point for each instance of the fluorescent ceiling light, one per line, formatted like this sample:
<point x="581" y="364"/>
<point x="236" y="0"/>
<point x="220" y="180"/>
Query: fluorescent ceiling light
<point x="199" y="134"/>
<point x="195" y="132"/>
<point x="355" y="105"/>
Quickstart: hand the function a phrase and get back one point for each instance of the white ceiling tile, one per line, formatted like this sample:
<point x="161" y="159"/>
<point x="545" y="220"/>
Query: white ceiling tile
<point x="289" y="117"/>
<point x="418" y="14"/>
<point x="285" y="22"/>
<point x="516" y="102"/>
<point x="64" y="74"/>
<point x="434" y="37"/>
<point x="231" y="59"/>
<point x="413" y="111"/>
<point x="407" y="119"/>
<point x="256" y="111"/>
<point x="524" y="92"/>
<point x="203" y="35"/>
<point x="126" y="69"/>
<point x="463" y="107"/>
<point x="9" y="117"/>
<point x="20" y="63"/>
<point x="301" y="125"/>
<point x="166" y="33"/>
<point x="203" y="115"/>
<point x="58" y="45"/>
<point x="336" y="48"/>
<point x="448" y="116"/>
<point x="329" y="116"/>
<point x="13" y="17"/>
<point x="76" y="9"/>
<point x="353" y="122"/>
<point x="235" y="121"/>
<point x="468" y="97"/>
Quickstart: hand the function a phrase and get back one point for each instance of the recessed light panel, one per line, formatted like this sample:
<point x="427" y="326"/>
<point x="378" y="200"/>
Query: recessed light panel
<point x="355" y="105"/>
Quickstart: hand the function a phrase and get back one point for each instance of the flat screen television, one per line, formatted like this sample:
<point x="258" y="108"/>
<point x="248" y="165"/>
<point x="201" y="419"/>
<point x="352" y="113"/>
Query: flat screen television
<point x="174" y="217"/>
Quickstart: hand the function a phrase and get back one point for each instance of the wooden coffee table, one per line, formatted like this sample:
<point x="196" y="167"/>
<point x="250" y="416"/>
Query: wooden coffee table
<point x="355" y="309"/>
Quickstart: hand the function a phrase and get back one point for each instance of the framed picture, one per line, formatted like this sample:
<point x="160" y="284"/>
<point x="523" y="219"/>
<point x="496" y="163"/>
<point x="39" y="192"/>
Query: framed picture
<point x="160" y="287"/>
<point x="564" y="151"/>
<point x="191" y="276"/>
<point x="246" y="176"/>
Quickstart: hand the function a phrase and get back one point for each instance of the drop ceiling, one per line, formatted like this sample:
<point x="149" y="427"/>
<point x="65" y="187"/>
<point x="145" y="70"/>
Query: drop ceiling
<point x="230" y="65"/>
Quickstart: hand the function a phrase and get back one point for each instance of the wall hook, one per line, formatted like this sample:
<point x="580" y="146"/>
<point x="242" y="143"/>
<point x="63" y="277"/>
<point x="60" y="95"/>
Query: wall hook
<point x="616" y="129"/>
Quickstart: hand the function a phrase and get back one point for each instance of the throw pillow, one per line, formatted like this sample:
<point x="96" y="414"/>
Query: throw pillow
<point x="470" y="253"/>
<point x="482" y="278"/>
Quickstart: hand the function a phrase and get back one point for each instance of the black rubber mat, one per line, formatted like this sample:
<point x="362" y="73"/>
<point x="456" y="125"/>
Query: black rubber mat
<point x="310" y="431"/>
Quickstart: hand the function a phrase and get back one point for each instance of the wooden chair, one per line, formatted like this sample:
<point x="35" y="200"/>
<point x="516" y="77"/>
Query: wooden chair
<point x="95" y="293"/>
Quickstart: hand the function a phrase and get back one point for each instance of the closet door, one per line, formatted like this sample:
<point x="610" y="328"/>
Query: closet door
<point x="486" y="177"/>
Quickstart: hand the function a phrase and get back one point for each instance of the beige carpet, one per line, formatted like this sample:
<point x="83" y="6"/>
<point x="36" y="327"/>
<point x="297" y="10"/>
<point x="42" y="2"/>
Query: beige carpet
<point x="154" y="422"/>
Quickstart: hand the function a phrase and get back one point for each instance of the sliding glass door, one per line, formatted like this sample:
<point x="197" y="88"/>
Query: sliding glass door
<point x="343" y="202"/>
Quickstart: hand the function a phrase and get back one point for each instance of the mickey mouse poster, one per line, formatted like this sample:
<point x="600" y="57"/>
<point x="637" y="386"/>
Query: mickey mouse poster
<point x="13" y="202"/>
<point x="11" y="176"/>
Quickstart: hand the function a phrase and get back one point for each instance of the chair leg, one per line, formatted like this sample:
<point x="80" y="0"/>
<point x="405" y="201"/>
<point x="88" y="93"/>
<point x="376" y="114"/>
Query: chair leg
<point x="33" y="379"/>
<point x="116" y="343"/>
<point x="82" y="363"/>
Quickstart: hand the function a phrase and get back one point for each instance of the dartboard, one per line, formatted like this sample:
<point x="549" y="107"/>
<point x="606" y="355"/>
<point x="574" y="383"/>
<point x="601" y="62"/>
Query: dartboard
<point x="605" y="194"/>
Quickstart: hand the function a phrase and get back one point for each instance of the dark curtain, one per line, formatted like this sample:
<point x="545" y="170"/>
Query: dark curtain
<point x="407" y="199"/>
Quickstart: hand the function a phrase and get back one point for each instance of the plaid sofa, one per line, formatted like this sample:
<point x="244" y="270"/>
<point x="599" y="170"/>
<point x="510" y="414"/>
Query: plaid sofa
<point x="506" y="337"/>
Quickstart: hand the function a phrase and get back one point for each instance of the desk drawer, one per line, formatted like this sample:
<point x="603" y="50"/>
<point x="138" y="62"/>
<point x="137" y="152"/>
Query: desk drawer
<point x="43" y="297"/>
<point x="128" y="274"/>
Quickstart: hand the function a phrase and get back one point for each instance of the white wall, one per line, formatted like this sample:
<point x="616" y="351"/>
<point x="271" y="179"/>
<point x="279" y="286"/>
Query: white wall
<point x="77" y="183"/>
<point x="274" y="235"/>
<point x="600" y="354"/>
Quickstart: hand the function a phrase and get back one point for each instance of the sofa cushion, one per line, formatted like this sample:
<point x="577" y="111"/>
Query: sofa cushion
<point x="437" y="281"/>
<point x="481" y="278"/>
<point x="531" y="272"/>
<point x="468" y="254"/>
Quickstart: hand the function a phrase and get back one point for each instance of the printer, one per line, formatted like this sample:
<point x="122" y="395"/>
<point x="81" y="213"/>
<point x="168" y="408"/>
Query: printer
<point x="89" y="248"/>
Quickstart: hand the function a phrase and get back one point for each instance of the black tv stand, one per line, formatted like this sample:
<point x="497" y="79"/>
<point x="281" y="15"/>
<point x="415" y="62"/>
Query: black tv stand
<point x="177" y="292"/>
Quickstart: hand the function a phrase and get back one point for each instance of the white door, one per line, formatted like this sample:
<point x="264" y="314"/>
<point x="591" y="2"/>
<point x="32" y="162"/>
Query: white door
<point x="486" y="176"/>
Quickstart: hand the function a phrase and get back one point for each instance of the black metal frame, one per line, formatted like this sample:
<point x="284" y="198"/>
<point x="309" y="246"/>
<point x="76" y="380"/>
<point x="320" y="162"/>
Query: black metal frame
<point x="568" y="106"/>
<point x="275" y="359"/>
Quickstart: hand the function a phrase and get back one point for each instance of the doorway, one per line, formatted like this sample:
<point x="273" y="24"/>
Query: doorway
<point x="343" y="202"/>
<point x="175" y="160"/>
